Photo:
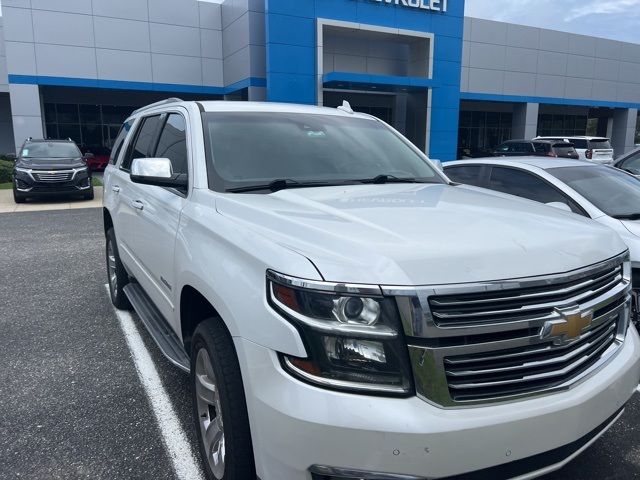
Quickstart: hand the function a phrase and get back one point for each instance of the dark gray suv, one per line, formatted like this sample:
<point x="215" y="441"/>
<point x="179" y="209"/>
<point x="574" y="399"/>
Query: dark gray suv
<point x="50" y="167"/>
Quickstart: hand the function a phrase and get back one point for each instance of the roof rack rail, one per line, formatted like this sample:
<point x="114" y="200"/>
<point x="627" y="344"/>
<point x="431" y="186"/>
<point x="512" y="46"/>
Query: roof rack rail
<point x="157" y="104"/>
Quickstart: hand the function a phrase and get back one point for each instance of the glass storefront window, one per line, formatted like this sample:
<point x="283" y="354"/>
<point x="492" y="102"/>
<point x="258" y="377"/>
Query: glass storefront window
<point x="550" y="125"/>
<point x="88" y="125"/>
<point x="480" y="132"/>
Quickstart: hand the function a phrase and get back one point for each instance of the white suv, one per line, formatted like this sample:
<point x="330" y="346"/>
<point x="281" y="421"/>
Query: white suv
<point x="346" y="312"/>
<point x="592" y="149"/>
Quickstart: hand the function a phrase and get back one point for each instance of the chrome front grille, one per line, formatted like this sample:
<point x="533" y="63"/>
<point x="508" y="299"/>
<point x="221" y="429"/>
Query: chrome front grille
<point x="497" y="341"/>
<point x="53" y="176"/>
<point x="508" y="306"/>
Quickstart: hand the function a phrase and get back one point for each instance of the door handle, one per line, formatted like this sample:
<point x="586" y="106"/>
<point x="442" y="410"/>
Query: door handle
<point x="137" y="204"/>
<point x="116" y="189"/>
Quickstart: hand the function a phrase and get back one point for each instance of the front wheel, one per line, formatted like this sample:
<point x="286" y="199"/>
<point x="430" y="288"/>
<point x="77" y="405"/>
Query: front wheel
<point x="90" y="195"/>
<point x="18" y="197"/>
<point x="219" y="405"/>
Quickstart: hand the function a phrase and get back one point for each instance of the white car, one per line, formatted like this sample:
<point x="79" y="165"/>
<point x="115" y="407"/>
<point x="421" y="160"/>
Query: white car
<point x="592" y="149"/>
<point x="605" y="194"/>
<point x="345" y="312"/>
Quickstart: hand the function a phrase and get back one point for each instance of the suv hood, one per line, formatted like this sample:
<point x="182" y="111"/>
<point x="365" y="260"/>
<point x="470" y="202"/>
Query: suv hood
<point x="422" y="234"/>
<point x="50" y="163"/>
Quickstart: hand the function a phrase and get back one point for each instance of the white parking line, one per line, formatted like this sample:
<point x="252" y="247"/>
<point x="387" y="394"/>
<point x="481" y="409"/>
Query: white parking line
<point x="179" y="449"/>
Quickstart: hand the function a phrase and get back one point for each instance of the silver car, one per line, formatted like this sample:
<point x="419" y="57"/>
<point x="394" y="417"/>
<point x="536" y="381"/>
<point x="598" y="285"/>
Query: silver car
<point x="600" y="192"/>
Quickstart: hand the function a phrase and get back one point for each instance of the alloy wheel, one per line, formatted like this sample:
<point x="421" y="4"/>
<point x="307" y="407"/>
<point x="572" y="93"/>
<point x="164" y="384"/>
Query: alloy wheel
<point x="111" y="268"/>
<point x="210" y="414"/>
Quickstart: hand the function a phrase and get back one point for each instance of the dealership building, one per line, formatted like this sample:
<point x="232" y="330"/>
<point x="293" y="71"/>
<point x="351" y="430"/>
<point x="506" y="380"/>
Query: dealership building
<point x="77" y="68"/>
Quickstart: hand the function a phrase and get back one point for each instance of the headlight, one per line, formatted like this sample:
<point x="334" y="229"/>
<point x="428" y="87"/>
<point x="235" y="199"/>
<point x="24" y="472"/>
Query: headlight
<point x="353" y="336"/>
<point x="23" y="170"/>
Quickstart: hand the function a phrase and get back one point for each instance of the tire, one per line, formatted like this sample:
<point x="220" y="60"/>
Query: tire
<point x="90" y="195"/>
<point x="117" y="276"/>
<point x="211" y="341"/>
<point x="18" y="197"/>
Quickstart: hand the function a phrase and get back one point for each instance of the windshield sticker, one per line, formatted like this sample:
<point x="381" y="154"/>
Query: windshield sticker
<point x="319" y="134"/>
<point x="25" y="152"/>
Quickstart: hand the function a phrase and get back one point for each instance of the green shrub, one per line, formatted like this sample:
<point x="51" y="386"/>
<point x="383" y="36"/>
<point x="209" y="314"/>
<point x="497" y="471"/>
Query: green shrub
<point x="6" y="168"/>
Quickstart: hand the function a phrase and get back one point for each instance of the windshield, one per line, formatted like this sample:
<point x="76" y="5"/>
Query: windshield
<point x="50" y="150"/>
<point x="614" y="192"/>
<point x="249" y="148"/>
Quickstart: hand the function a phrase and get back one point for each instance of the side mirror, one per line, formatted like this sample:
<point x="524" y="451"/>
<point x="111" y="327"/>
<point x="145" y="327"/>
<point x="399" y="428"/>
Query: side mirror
<point x="438" y="165"/>
<point x="11" y="157"/>
<point x="88" y="155"/>
<point x="560" y="206"/>
<point x="158" y="172"/>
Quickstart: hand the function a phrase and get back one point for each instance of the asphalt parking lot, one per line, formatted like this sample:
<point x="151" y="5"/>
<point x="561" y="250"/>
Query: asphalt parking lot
<point x="75" y="402"/>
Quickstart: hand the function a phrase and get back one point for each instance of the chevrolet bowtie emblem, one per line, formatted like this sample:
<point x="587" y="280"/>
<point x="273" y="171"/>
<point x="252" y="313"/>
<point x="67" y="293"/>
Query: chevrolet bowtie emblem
<point x="569" y="327"/>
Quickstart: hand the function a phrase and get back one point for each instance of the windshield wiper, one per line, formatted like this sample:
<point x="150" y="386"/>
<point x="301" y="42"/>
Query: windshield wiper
<point x="628" y="216"/>
<point x="382" y="179"/>
<point x="279" y="184"/>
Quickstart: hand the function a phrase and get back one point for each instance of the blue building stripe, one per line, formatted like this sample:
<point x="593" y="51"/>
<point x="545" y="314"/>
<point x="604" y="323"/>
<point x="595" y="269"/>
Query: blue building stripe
<point x="384" y="81"/>
<point x="141" y="86"/>
<point x="488" y="97"/>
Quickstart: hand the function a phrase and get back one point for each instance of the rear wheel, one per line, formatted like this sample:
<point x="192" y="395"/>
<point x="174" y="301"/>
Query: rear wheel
<point x="219" y="405"/>
<point x="116" y="273"/>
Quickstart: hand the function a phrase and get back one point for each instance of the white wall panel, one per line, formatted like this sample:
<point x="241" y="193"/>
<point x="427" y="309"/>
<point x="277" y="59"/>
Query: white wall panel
<point x="63" y="28"/>
<point x="66" y="61"/>
<point x="132" y="34"/>
<point x="175" y="40"/>
<point x="176" y="69"/>
<point x="123" y="65"/>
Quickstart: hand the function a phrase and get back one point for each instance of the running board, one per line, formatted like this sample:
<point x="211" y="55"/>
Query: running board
<point x="167" y="341"/>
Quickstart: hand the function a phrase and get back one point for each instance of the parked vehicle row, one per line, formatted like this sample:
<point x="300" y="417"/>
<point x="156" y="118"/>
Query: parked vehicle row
<point x="345" y="311"/>
<point x="592" y="149"/>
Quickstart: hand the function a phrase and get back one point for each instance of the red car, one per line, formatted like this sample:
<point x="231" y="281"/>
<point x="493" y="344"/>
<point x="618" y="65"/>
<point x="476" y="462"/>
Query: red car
<point x="99" y="157"/>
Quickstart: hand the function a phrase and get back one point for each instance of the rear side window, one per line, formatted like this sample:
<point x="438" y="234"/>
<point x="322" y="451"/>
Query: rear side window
<point x="527" y="185"/>
<point x="521" y="147"/>
<point x="173" y="143"/>
<point x="144" y="141"/>
<point x="119" y="141"/>
<point x="541" y="147"/>
<point x="467" y="174"/>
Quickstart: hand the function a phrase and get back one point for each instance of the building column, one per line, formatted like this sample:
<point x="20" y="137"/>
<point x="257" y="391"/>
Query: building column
<point x="525" y="121"/>
<point x="26" y="113"/>
<point x="623" y="133"/>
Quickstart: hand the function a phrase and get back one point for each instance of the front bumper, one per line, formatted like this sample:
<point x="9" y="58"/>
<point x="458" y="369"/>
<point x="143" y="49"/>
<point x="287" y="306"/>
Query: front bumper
<point x="296" y="426"/>
<point x="28" y="185"/>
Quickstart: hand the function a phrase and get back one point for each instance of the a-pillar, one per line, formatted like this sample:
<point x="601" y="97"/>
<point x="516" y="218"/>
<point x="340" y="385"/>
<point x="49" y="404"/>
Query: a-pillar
<point x="525" y="120"/>
<point x="26" y="112"/>
<point x="624" y="130"/>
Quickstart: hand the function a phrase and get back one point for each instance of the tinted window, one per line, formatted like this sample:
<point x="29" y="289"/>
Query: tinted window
<point x="580" y="143"/>
<point x="50" y="150"/>
<point x="467" y="174"/>
<point x="614" y="192"/>
<point x="541" y="147"/>
<point x="503" y="148"/>
<point x="521" y="147"/>
<point x="117" y="144"/>
<point x="526" y="185"/>
<point x="248" y="149"/>
<point x="632" y="164"/>
<point x="144" y="139"/>
<point x="173" y="143"/>
<point x="564" y="150"/>
<point x="599" y="144"/>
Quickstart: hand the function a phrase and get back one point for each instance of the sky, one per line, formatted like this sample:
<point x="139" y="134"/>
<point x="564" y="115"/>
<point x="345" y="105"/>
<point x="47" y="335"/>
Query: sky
<point x="616" y="19"/>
